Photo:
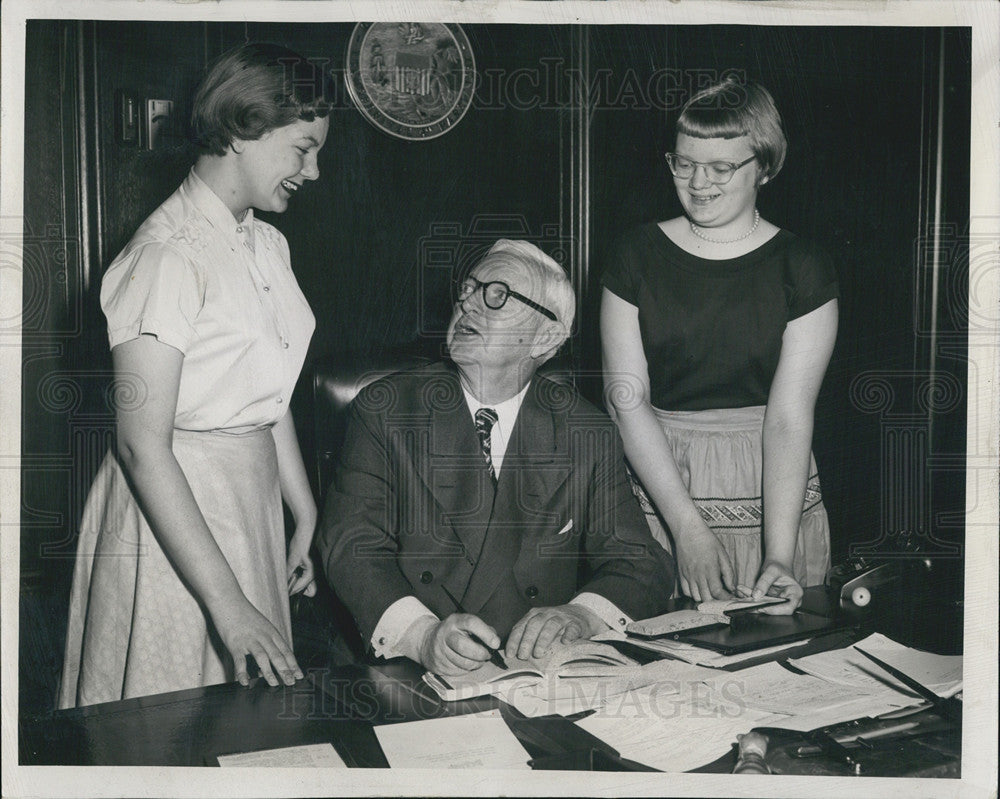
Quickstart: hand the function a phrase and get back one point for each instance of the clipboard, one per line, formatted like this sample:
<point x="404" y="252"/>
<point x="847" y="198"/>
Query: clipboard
<point x="751" y="631"/>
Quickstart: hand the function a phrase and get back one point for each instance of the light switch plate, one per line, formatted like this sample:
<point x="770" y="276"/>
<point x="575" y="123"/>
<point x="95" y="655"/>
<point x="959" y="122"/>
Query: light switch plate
<point x="126" y="118"/>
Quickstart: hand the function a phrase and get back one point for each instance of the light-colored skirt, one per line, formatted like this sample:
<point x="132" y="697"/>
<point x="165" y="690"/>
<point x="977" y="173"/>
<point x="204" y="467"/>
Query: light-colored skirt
<point x="135" y="628"/>
<point x="719" y="455"/>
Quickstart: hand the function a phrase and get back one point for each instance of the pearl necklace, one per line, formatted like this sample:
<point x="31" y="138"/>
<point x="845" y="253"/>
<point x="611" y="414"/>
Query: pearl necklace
<point x="756" y="221"/>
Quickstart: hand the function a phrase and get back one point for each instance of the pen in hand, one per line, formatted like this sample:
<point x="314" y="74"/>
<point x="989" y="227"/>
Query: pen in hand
<point x="495" y="657"/>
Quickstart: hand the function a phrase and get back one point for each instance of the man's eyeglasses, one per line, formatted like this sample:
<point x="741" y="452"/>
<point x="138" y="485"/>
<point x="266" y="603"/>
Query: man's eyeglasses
<point x="718" y="172"/>
<point x="496" y="293"/>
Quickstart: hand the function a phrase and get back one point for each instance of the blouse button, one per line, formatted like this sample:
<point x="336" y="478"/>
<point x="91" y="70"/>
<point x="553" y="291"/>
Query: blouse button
<point x="267" y="288"/>
<point x="239" y="229"/>
<point x="381" y="641"/>
<point x="286" y="345"/>
<point x="280" y="400"/>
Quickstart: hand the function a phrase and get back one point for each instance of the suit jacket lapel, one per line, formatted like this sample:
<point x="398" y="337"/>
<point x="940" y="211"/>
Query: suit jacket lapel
<point x="536" y="453"/>
<point x="455" y="471"/>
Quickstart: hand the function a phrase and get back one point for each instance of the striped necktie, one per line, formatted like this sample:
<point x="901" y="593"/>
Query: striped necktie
<point x="485" y="419"/>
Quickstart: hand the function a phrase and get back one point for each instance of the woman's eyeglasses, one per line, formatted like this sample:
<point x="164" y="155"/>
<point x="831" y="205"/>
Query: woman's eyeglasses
<point x="717" y="171"/>
<point x="495" y="295"/>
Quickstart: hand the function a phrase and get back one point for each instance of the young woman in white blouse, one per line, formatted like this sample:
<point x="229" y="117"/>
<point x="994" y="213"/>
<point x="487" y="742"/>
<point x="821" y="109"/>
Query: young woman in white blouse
<point x="182" y="569"/>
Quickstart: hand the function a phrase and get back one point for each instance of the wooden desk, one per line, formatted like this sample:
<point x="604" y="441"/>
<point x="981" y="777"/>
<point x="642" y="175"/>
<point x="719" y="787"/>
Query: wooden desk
<point x="193" y="727"/>
<point x="338" y="705"/>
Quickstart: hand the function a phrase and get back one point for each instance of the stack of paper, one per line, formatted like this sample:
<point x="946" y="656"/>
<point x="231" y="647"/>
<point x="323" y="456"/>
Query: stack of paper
<point x="677" y="730"/>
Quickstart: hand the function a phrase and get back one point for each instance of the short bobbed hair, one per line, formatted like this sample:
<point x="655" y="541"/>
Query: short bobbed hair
<point x="253" y="89"/>
<point x="731" y="108"/>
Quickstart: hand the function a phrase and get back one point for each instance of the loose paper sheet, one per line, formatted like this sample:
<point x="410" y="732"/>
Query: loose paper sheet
<point x="310" y="755"/>
<point x="941" y="673"/>
<point x="774" y="688"/>
<point x="459" y="742"/>
<point x="567" y="696"/>
<point x="675" y="732"/>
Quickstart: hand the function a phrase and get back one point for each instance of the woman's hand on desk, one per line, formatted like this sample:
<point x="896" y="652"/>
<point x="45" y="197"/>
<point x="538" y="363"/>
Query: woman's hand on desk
<point x="776" y="580"/>
<point x="704" y="566"/>
<point x="245" y="631"/>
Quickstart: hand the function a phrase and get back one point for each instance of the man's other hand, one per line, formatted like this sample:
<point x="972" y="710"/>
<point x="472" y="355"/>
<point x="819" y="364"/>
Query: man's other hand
<point x="540" y="628"/>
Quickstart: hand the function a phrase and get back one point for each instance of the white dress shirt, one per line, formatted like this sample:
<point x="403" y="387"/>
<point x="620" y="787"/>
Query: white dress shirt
<point x="500" y="433"/>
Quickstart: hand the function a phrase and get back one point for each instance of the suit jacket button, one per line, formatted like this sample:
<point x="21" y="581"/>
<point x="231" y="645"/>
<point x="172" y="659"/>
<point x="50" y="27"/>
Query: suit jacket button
<point x="531" y="592"/>
<point x="426" y="577"/>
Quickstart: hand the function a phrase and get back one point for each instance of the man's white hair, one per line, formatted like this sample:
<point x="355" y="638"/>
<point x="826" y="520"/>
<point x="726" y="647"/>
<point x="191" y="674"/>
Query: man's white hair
<point x="559" y="296"/>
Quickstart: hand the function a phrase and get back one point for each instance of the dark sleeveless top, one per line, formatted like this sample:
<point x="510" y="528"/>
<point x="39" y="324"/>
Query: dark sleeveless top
<point x="711" y="329"/>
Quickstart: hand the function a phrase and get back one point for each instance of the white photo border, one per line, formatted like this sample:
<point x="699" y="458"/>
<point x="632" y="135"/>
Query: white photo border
<point x="979" y="762"/>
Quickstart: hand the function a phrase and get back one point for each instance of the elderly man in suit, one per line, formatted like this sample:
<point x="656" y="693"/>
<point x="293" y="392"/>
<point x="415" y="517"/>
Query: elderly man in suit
<point x="477" y="500"/>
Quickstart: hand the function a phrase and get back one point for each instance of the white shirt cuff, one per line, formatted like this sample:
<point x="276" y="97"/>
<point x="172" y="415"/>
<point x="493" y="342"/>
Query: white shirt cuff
<point x="606" y="611"/>
<point x="399" y="617"/>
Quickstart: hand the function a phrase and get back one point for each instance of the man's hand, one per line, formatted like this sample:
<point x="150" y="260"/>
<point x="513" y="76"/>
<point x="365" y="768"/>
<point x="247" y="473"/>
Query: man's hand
<point x="450" y="646"/>
<point x="535" y="633"/>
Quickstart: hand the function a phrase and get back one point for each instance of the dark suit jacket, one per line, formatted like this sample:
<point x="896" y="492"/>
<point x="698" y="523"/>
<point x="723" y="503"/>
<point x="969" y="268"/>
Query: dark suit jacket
<point x="412" y="507"/>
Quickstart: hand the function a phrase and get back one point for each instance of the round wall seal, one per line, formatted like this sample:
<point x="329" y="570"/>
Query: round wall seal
<point x="412" y="79"/>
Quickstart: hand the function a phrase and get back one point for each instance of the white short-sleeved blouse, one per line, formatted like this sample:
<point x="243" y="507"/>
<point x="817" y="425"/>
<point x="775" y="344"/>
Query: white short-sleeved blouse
<point x="222" y="292"/>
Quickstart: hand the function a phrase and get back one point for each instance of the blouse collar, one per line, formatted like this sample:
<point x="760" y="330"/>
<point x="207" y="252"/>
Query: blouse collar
<point x="214" y="209"/>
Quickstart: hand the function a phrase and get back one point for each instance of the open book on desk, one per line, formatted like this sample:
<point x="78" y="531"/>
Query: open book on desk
<point x="580" y="659"/>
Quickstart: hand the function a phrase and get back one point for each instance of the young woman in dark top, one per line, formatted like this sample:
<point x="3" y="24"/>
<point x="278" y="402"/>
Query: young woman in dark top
<point x="717" y="328"/>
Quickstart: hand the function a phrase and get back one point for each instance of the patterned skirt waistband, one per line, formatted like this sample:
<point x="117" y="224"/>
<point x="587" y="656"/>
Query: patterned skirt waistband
<point x="719" y="419"/>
